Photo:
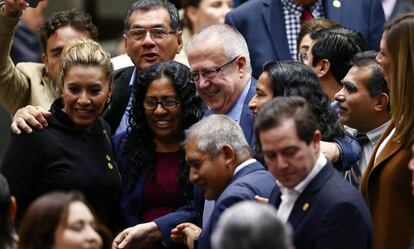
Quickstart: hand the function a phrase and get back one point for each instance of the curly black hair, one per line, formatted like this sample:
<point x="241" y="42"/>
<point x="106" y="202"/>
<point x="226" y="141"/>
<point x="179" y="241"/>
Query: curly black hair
<point x="79" y="20"/>
<point x="139" y="142"/>
<point x="289" y="78"/>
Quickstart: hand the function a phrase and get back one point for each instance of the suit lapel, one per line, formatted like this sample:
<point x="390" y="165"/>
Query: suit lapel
<point x="307" y="198"/>
<point x="272" y="14"/>
<point x="246" y="117"/>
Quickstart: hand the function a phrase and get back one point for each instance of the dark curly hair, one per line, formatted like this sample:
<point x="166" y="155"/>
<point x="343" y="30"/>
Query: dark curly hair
<point x="139" y="142"/>
<point x="76" y="19"/>
<point x="290" y="78"/>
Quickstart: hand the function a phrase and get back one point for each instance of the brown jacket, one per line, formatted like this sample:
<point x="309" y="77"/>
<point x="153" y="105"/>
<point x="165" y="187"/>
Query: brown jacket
<point x="386" y="187"/>
<point x="24" y="84"/>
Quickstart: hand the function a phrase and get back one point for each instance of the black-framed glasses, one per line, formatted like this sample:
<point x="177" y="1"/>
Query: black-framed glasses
<point x="156" y="34"/>
<point x="152" y="104"/>
<point x="210" y="73"/>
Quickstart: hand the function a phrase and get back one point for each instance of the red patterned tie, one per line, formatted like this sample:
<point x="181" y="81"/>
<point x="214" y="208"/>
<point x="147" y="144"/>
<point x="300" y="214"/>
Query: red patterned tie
<point x="306" y="15"/>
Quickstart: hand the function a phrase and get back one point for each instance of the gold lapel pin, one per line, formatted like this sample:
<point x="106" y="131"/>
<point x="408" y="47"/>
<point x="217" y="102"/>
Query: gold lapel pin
<point x="305" y="206"/>
<point x="337" y="4"/>
<point x="110" y="166"/>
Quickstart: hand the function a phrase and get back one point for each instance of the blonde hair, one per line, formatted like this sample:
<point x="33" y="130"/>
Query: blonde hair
<point x="84" y="52"/>
<point x="399" y="38"/>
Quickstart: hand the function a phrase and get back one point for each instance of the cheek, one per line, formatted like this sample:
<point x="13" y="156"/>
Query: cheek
<point x="68" y="240"/>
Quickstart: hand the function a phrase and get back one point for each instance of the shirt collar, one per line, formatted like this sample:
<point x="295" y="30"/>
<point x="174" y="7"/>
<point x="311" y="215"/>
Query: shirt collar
<point x="319" y="164"/>
<point x="374" y="134"/>
<point x="132" y="80"/>
<point x="236" y="110"/>
<point x="244" y="164"/>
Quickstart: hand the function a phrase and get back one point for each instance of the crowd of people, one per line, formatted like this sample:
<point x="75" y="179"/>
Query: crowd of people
<point x="280" y="124"/>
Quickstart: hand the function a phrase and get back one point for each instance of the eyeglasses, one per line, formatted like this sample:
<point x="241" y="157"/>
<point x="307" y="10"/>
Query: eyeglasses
<point x="211" y="72"/>
<point x="156" y="34"/>
<point x="152" y="104"/>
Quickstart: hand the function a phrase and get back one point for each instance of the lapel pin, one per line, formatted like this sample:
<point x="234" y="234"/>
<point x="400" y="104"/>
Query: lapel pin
<point x="110" y="166"/>
<point x="108" y="158"/>
<point x="337" y="4"/>
<point x="305" y="207"/>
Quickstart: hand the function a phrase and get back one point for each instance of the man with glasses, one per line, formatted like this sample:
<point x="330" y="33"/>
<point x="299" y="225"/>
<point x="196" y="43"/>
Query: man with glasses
<point x="220" y="66"/>
<point x="151" y="35"/>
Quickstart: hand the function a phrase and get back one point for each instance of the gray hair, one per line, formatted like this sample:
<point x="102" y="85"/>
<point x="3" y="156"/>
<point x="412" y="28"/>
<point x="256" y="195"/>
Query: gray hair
<point x="249" y="224"/>
<point x="215" y="131"/>
<point x="227" y="38"/>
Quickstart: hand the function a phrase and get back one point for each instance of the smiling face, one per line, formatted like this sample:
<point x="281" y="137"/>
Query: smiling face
<point x="221" y="92"/>
<point x="85" y="91"/>
<point x="166" y="124"/>
<point x="54" y="47"/>
<point x="211" y="173"/>
<point x="264" y="93"/>
<point x="385" y="60"/>
<point x="79" y="230"/>
<point x="147" y="52"/>
<point x="287" y="157"/>
<point x="356" y="106"/>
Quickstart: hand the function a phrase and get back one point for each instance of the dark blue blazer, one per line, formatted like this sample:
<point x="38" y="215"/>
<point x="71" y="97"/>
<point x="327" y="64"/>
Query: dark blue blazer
<point x="246" y="117"/>
<point x="248" y="182"/>
<point x="130" y="202"/>
<point x="330" y="213"/>
<point x="262" y="24"/>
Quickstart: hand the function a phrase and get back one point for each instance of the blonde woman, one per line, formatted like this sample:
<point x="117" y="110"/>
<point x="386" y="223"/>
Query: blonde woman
<point x="74" y="151"/>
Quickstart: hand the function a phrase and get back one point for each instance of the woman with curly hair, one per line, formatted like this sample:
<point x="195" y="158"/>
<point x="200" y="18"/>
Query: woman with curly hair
<point x="286" y="78"/>
<point x="151" y="160"/>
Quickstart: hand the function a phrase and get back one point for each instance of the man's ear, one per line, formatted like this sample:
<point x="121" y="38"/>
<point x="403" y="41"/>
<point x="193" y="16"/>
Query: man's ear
<point x="45" y="61"/>
<point x="12" y="209"/>
<point x="229" y="154"/>
<point x="323" y="68"/>
<point x="241" y="62"/>
<point x="382" y="102"/>
<point x="316" y="140"/>
<point x="180" y="41"/>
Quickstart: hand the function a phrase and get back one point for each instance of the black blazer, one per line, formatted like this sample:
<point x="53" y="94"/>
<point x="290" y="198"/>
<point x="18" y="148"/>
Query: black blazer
<point x="120" y="97"/>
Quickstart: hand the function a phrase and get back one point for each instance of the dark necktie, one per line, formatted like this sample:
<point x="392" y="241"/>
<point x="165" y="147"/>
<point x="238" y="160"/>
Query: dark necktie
<point x="362" y="139"/>
<point x="306" y="15"/>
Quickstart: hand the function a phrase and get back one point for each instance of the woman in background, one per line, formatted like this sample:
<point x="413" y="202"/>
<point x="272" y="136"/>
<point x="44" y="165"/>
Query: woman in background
<point x="61" y="221"/>
<point x="386" y="184"/>
<point x="199" y="14"/>
<point x="286" y="78"/>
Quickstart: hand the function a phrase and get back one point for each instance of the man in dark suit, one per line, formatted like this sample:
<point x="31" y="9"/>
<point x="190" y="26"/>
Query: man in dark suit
<point x="271" y="26"/>
<point x="222" y="167"/>
<point x="323" y="209"/>
<point x="160" y="19"/>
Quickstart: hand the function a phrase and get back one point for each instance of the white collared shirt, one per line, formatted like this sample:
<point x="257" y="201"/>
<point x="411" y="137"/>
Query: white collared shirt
<point x="289" y="196"/>
<point x="373" y="136"/>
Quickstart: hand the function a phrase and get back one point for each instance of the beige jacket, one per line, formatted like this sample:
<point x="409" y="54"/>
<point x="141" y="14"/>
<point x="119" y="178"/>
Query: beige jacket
<point x="24" y="84"/>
